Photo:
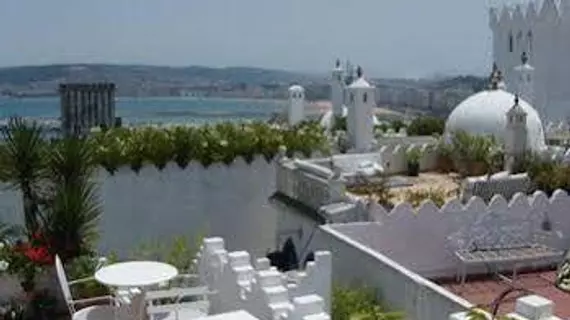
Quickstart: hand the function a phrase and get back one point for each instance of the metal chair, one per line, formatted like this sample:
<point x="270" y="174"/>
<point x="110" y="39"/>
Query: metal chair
<point x="94" y="312"/>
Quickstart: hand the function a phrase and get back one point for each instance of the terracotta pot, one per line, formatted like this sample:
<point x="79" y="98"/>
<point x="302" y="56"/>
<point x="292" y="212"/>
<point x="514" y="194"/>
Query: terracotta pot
<point x="444" y="164"/>
<point x="476" y="168"/>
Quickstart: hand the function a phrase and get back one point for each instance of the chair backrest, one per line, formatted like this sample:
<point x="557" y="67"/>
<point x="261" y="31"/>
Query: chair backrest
<point x="63" y="283"/>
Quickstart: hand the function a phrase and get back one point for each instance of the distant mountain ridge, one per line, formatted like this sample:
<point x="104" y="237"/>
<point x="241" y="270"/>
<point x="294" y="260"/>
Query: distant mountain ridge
<point x="145" y="80"/>
<point x="110" y="72"/>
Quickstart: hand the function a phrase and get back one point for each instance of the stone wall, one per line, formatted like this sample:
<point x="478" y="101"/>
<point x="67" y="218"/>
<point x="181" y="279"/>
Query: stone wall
<point x="262" y="290"/>
<point x="502" y="184"/>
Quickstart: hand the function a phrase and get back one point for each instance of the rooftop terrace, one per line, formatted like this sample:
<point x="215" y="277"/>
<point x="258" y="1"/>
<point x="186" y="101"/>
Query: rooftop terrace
<point x="481" y="291"/>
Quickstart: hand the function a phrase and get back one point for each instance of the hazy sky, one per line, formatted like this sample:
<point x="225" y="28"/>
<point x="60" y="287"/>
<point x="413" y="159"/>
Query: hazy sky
<point x="389" y="38"/>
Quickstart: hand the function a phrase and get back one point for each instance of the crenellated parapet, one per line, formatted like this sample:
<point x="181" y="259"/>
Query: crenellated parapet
<point x="526" y="15"/>
<point x="261" y="289"/>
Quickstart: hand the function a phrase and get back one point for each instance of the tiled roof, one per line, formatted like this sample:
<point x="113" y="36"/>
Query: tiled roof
<point x="484" y="290"/>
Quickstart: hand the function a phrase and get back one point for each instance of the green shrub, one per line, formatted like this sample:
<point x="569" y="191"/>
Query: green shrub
<point x="361" y="303"/>
<point x="339" y="124"/>
<point x="426" y="126"/>
<point x="84" y="267"/>
<point x="417" y="197"/>
<point x="178" y="251"/>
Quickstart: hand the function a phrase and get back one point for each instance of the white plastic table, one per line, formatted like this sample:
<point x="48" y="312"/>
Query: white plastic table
<point x="135" y="274"/>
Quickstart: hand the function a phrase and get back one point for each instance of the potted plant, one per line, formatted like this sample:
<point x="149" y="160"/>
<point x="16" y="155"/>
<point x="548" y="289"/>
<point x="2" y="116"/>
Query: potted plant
<point x="413" y="159"/>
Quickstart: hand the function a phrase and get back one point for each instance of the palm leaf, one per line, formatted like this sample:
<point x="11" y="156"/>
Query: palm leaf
<point x="70" y="161"/>
<point x="71" y="220"/>
<point x="22" y="164"/>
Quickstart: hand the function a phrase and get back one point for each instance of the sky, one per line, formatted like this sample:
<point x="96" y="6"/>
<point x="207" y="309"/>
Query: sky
<point x="388" y="38"/>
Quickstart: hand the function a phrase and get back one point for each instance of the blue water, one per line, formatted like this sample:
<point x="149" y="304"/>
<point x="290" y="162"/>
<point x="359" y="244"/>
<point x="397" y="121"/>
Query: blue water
<point x="138" y="111"/>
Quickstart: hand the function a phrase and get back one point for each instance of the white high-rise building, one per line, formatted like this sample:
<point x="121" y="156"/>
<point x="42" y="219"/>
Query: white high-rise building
<point x="542" y="32"/>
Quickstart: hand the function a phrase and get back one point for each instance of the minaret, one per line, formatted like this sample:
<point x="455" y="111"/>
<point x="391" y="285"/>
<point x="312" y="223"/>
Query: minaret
<point x="516" y="136"/>
<point x="525" y="76"/>
<point x="360" y="125"/>
<point x="296" y="110"/>
<point x="337" y="89"/>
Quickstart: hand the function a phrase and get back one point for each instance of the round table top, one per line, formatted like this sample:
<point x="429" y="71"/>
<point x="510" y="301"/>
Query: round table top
<point x="135" y="274"/>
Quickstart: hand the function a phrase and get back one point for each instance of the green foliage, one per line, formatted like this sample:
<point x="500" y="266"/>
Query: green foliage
<point x="209" y="144"/>
<point x="413" y="155"/>
<point x="548" y="175"/>
<point x="71" y="220"/>
<point x="84" y="267"/>
<point x="426" y="126"/>
<point x="474" y="154"/>
<point x="417" y="197"/>
<point x="339" y="124"/>
<point x="349" y="304"/>
<point x="377" y="190"/>
<point x="22" y="165"/>
<point x="179" y="252"/>
<point x="397" y="125"/>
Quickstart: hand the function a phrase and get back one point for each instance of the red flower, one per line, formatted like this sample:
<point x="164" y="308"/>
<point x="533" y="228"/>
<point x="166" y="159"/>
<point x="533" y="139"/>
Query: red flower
<point x="39" y="255"/>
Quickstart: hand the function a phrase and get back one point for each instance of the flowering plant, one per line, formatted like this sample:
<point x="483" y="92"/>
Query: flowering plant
<point x="26" y="259"/>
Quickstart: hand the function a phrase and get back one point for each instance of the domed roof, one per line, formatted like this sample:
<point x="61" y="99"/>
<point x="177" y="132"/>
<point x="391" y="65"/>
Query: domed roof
<point x="296" y="88"/>
<point x="484" y="113"/>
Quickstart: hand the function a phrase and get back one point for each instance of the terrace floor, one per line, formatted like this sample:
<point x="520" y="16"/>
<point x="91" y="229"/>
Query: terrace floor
<point x="484" y="290"/>
<point x="424" y="182"/>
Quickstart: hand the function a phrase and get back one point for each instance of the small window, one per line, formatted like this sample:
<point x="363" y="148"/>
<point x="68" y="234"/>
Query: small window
<point x="529" y="39"/>
<point x="365" y="97"/>
<point x="520" y="40"/>
<point x="352" y="98"/>
<point x="511" y="42"/>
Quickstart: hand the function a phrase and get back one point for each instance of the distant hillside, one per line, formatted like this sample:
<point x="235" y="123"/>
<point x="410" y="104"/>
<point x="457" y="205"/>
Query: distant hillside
<point x="138" y="79"/>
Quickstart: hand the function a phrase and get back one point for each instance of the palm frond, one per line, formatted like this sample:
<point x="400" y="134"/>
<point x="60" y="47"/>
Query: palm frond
<point x="71" y="219"/>
<point x="22" y="164"/>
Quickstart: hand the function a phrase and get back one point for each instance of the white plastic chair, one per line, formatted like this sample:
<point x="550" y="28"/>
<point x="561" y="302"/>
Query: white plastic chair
<point x="103" y="312"/>
<point x="178" y="310"/>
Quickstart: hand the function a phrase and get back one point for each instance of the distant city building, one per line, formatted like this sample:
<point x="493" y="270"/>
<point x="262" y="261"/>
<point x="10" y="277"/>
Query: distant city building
<point x="84" y="106"/>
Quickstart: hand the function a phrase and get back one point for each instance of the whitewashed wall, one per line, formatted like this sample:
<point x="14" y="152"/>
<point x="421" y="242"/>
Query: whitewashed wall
<point x="228" y="201"/>
<point x="395" y="161"/>
<point x="260" y="289"/>
<point x="425" y="240"/>
<point x="398" y="288"/>
<point x="549" y="24"/>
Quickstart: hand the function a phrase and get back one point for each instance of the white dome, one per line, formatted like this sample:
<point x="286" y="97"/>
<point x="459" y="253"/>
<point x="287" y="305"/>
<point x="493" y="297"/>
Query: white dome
<point x="296" y="88"/>
<point x="484" y="113"/>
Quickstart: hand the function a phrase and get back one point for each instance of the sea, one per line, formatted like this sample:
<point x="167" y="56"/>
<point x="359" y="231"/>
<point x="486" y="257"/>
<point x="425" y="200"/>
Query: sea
<point x="162" y="110"/>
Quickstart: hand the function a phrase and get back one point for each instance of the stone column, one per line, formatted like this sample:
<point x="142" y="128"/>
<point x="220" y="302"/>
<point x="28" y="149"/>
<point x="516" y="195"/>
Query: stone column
<point x="90" y="115"/>
<point x="111" y="101"/>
